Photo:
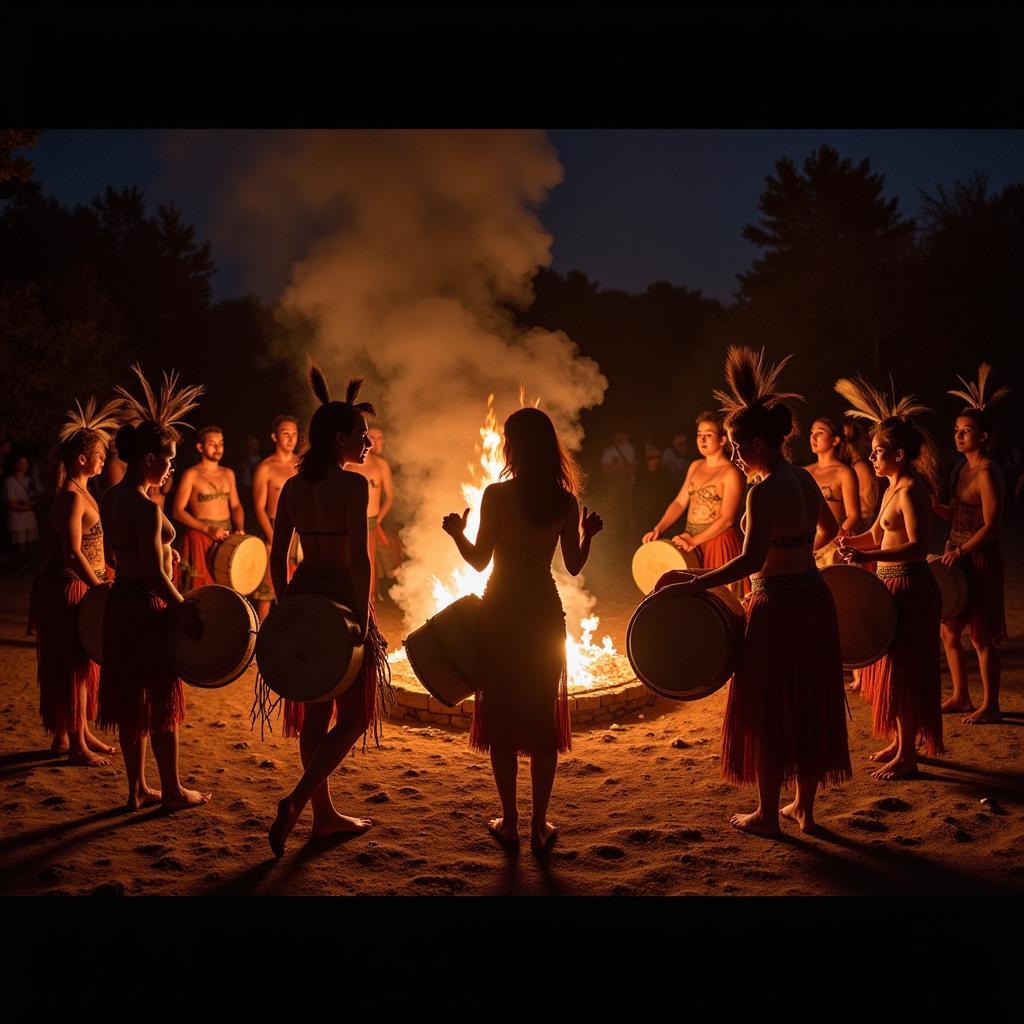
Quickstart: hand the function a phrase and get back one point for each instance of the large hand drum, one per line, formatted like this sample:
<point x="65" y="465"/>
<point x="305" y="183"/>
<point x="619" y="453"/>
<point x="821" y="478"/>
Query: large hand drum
<point x="651" y="561"/>
<point x="685" y="646"/>
<point x="866" y="612"/>
<point x="224" y="649"/>
<point x="238" y="562"/>
<point x="92" y="610"/>
<point x="443" y="651"/>
<point x="307" y="649"/>
<point x="952" y="581"/>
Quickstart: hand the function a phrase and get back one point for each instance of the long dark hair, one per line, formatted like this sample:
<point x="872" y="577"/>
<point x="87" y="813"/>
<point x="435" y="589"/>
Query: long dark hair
<point x="330" y="419"/>
<point x="545" y="474"/>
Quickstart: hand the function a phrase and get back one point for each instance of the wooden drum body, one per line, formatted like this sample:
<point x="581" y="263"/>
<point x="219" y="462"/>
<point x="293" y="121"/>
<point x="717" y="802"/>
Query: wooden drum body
<point x="953" y="586"/>
<point x="225" y="648"/>
<point x="443" y="651"/>
<point x="685" y="646"/>
<point x="866" y="612"/>
<point x="651" y="561"/>
<point x="92" y="610"/>
<point x="239" y="562"/>
<point x="307" y="649"/>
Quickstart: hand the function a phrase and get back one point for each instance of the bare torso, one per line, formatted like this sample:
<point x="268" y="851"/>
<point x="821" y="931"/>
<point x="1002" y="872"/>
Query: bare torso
<point x="211" y="492"/>
<point x="123" y="509"/>
<point x="374" y="471"/>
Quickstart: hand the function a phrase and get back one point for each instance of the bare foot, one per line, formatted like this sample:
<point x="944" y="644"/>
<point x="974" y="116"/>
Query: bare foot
<point x="60" y="744"/>
<point x="339" y="824"/>
<point x="756" y="823"/>
<point x="145" y="797"/>
<point x="983" y="716"/>
<point x="507" y="832"/>
<point x="954" y="704"/>
<point x="186" y="798"/>
<point x="96" y="744"/>
<point x="282" y="826"/>
<point x="542" y="836"/>
<point x="802" y="816"/>
<point x="887" y="754"/>
<point x="855" y="686"/>
<point x="897" y="768"/>
<point x="87" y="759"/>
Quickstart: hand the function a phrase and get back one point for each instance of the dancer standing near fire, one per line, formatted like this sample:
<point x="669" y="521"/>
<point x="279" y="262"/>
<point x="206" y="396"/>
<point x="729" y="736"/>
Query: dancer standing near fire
<point x="327" y="504"/>
<point x="68" y="679"/>
<point x="710" y="496"/>
<point x="522" y="704"/>
<point x="903" y="686"/>
<point x="976" y="515"/>
<point x="785" y="717"/>
<point x="382" y="493"/>
<point x="140" y="694"/>
<point x="267" y="480"/>
<point x="207" y="504"/>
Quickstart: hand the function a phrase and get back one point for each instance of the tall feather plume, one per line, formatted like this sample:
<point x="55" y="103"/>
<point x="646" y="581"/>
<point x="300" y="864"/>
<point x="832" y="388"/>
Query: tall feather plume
<point x="318" y="382"/>
<point x="102" y="421"/>
<point x="973" y="394"/>
<point x="874" y="405"/>
<point x="165" y="409"/>
<point x="352" y="393"/>
<point x="751" y="379"/>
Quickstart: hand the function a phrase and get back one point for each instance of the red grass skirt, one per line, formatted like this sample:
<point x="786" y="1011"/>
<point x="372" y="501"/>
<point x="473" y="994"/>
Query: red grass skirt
<point x="984" y="611"/>
<point x="139" y="690"/>
<point x="364" y="702"/>
<point x="721" y="549"/>
<point x="63" y="667"/>
<point x="194" y="570"/>
<point x="787" y="698"/>
<point x="523" y="701"/>
<point x="905" y="681"/>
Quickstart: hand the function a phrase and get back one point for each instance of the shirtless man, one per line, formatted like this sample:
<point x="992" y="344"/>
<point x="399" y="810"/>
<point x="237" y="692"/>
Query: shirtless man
<point x="207" y="504"/>
<point x="377" y="471"/>
<point x="267" y="480"/>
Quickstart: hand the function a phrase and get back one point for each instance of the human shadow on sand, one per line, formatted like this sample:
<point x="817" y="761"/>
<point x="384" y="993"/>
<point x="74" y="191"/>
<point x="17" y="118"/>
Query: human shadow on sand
<point x="1009" y="785"/>
<point x="244" y="883"/>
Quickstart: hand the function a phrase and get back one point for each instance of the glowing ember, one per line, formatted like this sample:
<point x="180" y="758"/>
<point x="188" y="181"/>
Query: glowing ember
<point x="588" y="664"/>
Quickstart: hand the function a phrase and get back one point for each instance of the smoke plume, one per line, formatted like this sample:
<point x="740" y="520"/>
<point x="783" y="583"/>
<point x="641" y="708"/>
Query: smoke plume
<point x="429" y="240"/>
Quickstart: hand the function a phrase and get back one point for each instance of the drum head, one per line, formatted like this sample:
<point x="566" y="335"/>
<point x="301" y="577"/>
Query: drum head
<point x="683" y="646"/>
<point x="91" y="612"/>
<point x="651" y="561"/>
<point x="305" y="649"/>
<point x="866" y="612"/>
<point x="952" y="584"/>
<point x="225" y="648"/>
<point x="240" y="563"/>
<point x="443" y="651"/>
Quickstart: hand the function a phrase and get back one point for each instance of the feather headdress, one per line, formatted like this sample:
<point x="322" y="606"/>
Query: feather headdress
<point x="874" y="405"/>
<point x="751" y="380"/>
<point x="974" y="393"/>
<point x="167" y="408"/>
<point x="100" y="421"/>
<point x="318" y="382"/>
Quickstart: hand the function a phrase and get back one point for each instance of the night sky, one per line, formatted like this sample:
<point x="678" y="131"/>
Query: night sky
<point x="636" y="206"/>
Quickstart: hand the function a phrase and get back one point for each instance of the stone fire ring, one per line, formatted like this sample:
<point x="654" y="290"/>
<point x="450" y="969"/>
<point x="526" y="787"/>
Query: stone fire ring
<point x="587" y="708"/>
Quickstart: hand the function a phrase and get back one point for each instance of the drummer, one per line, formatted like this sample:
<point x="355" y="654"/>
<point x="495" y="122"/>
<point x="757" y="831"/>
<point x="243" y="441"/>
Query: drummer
<point x="267" y="480"/>
<point x="207" y="503"/>
<point x="976" y="519"/>
<point x="710" y="496"/>
<point x="377" y="471"/>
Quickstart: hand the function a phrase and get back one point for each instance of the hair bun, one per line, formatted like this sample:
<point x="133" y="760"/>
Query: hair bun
<point x="126" y="443"/>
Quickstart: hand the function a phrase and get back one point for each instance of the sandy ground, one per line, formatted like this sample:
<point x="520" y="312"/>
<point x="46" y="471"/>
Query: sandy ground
<point x="641" y="805"/>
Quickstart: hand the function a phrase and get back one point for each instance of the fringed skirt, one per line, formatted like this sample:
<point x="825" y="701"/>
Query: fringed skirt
<point x="786" y="701"/>
<point x="366" y="700"/>
<point x="68" y="679"/>
<point x="985" y="612"/>
<point x="194" y="570"/>
<point x="522" y="704"/>
<point x="139" y="691"/>
<point x="905" y="682"/>
<point x="724" y="548"/>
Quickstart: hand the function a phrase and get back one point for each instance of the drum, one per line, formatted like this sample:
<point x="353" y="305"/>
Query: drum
<point x="238" y="562"/>
<point x="651" y="561"/>
<point x="307" y="649"/>
<point x="952" y="582"/>
<point x="92" y="610"/>
<point x="866" y="612"/>
<point x="442" y="652"/>
<point x="828" y="555"/>
<point x="685" y="646"/>
<point x="225" y="648"/>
